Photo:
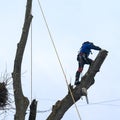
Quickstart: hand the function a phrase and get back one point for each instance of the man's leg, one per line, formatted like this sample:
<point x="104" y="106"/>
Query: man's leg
<point x="89" y="61"/>
<point x="80" y="68"/>
<point x="78" y="75"/>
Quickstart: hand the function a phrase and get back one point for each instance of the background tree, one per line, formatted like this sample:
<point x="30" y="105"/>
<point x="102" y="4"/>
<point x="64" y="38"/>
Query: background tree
<point x="21" y="102"/>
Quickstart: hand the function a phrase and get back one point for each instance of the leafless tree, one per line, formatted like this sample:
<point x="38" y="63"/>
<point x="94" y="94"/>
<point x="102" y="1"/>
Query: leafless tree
<point x="21" y="102"/>
<point x="61" y="106"/>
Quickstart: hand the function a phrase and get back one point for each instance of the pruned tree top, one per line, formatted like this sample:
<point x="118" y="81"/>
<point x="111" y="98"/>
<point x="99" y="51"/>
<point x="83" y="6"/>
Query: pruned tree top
<point x="87" y="80"/>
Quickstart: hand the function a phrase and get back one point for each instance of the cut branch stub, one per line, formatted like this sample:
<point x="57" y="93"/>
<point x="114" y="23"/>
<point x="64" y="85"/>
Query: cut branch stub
<point x="33" y="110"/>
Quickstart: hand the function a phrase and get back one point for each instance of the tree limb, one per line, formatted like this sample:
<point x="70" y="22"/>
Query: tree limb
<point x="87" y="80"/>
<point x="21" y="101"/>
<point x="33" y="110"/>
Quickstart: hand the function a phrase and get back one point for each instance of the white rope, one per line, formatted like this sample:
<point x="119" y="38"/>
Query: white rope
<point x="58" y="58"/>
<point x="31" y="64"/>
<point x="31" y="79"/>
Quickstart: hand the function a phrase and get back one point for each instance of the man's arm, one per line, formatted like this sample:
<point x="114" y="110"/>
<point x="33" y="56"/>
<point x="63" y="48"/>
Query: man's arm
<point x="95" y="47"/>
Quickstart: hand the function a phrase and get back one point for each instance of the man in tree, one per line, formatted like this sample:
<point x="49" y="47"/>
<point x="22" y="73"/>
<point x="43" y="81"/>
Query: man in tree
<point x="83" y="59"/>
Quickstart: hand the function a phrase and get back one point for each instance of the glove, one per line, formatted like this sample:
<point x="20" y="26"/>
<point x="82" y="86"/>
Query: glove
<point x="100" y="49"/>
<point x="103" y="50"/>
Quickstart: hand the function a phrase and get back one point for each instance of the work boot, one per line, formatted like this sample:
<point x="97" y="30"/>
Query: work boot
<point x="77" y="82"/>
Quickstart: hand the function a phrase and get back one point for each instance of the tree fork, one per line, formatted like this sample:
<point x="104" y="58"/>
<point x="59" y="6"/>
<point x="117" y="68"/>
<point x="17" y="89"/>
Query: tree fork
<point x="87" y="80"/>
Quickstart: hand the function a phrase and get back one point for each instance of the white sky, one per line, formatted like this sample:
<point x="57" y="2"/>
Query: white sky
<point x="71" y="22"/>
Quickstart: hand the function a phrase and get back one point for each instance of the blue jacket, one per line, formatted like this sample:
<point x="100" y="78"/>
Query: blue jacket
<point x="87" y="46"/>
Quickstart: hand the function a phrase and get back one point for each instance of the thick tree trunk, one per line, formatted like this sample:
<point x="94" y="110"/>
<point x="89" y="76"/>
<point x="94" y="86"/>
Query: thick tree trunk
<point x="21" y="101"/>
<point x="87" y="80"/>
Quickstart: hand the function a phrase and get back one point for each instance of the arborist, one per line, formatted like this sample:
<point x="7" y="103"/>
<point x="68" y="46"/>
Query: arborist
<point x="83" y="59"/>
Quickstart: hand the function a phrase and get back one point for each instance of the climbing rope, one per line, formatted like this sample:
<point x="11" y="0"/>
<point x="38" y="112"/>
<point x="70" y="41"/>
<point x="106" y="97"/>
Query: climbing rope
<point x="59" y="59"/>
<point x="31" y="60"/>
<point x="31" y="63"/>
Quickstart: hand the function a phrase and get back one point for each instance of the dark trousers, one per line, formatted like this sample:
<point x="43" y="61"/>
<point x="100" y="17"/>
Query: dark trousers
<point x="82" y="60"/>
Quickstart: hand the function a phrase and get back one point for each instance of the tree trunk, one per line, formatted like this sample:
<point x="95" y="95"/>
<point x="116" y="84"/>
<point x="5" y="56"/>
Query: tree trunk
<point x="21" y="102"/>
<point x="87" y="80"/>
<point x="33" y="110"/>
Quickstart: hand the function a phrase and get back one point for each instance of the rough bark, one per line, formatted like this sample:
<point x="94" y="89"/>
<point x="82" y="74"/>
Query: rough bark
<point x="33" y="110"/>
<point x="21" y="102"/>
<point x="87" y="80"/>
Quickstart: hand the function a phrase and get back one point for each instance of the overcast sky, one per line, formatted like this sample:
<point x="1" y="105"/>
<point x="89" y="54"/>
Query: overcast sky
<point x="71" y="22"/>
